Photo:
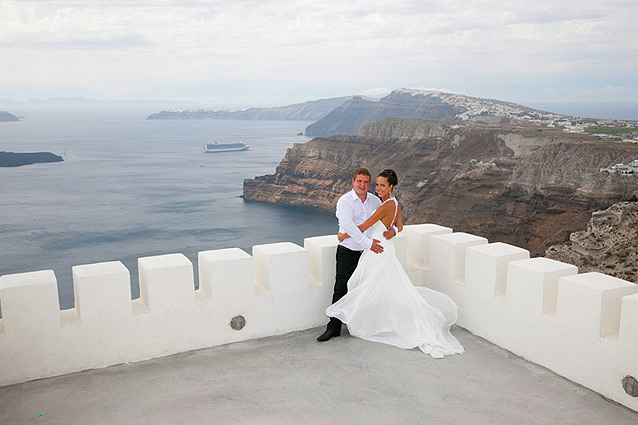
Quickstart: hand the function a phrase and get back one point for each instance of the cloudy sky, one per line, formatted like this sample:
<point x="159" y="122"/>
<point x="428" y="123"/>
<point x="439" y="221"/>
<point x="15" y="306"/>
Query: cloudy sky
<point x="238" y="53"/>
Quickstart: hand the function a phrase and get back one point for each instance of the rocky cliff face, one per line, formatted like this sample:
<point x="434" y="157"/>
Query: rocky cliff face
<point x="520" y="184"/>
<point x="608" y="245"/>
<point x="348" y="118"/>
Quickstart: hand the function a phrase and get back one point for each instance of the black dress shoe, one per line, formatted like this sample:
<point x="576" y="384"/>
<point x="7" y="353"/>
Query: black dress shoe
<point x="327" y="335"/>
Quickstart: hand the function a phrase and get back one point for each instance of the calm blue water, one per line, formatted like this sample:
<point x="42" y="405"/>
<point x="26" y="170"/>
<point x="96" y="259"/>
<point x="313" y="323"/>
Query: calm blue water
<point x="615" y="111"/>
<point x="130" y="188"/>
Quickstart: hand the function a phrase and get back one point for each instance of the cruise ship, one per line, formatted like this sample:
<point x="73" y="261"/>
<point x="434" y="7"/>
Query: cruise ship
<point x="225" y="147"/>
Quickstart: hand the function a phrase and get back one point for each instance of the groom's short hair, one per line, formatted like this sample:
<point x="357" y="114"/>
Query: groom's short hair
<point x="361" y="172"/>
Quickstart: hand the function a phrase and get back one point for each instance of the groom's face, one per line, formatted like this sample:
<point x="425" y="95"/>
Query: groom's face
<point x="361" y="184"/>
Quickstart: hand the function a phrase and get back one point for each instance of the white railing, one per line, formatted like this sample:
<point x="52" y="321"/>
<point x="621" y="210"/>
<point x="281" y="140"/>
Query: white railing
<point x="582" y="326"/>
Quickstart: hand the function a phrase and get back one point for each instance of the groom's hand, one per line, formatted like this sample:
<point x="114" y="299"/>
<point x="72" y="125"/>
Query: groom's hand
<point x="390" y="233"/>
<point x="376" y="246"/>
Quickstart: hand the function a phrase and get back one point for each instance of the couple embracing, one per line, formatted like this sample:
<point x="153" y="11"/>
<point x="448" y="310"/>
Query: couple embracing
<point x="373" y="295"/>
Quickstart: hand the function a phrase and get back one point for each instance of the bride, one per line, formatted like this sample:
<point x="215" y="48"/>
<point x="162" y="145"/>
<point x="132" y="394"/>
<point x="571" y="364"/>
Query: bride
<point x="382" y="304"/>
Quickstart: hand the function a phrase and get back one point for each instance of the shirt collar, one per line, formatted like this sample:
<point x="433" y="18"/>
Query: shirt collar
<point x="355" y="197"/>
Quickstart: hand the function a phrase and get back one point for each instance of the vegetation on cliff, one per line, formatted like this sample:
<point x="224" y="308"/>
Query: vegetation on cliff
<point x="522" y="184"/>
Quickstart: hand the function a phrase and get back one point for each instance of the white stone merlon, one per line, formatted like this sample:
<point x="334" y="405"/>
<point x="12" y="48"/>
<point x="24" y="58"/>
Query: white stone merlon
<point x="447" y="268"/>
<point x="628" y="332"/>
<point x="322" y="251"/>
<point x="102" y="292"/>
<point x="532" y="296"/>
<point x="419" y="243"/>
<point x="29" y="302"/>
<point x="627" y="337"/>
<point x="486" y="282"/>
<point x="225" y="276"/>
<point x="418" y="247"/>
<point x="581" y="326"/>
<point x="447" y="256"/>
<point x="400" y="243"/>
<point x="588" y="317"/>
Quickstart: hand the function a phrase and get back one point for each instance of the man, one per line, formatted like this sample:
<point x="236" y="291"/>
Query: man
<point x="353" y="209"/>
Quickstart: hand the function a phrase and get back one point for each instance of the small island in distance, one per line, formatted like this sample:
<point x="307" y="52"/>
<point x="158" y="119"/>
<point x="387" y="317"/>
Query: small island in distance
<point x="6" y="116"/>
<point x="13" y="159"/>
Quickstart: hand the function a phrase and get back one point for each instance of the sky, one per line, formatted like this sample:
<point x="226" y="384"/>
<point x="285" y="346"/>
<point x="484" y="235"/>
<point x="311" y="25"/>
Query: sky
<point x="243" y="53"/>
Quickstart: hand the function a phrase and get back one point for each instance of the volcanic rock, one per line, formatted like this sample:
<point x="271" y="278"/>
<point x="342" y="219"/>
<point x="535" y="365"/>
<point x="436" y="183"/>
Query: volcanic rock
<point x="521" y="184"/>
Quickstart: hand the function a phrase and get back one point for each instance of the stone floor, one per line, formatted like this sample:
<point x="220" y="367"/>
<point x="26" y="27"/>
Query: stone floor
<point x="293" y="379"/>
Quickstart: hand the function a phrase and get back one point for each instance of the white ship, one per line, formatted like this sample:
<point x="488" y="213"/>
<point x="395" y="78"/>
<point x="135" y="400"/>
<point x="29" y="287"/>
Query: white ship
<point x="225" y="147"/>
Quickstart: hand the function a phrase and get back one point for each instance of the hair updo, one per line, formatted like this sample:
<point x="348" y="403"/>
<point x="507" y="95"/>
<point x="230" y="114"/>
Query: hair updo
<point x="391" y="176"/>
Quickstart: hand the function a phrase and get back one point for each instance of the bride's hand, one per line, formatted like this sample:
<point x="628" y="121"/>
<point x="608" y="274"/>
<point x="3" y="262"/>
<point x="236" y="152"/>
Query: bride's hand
<point x="390" y="233"/>
<point x="342" y="236"/>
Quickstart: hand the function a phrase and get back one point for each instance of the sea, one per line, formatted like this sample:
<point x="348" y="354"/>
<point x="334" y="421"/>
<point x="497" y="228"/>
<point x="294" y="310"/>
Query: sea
<point x="130" y="188"/>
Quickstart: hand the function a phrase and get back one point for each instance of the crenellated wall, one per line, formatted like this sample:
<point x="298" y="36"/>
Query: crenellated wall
<point x="582" y="326"/>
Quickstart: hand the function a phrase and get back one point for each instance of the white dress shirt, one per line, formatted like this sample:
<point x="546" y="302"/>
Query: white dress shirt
<point x="351" y="212"/>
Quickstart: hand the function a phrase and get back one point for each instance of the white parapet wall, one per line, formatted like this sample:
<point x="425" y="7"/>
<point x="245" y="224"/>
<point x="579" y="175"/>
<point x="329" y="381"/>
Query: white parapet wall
<point x="240" y="297"/>
<point x="582" y="326"/>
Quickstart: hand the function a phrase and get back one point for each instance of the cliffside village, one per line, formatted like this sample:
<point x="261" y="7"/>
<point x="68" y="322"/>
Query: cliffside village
<point x="626" y="131"/>
<point x="478" y="109"/>
<point x="631" y="168"/>
<point x="619" y="130"/>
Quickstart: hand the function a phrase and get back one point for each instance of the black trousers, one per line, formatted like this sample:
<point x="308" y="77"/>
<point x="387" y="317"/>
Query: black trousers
<point x="347" y="261"/>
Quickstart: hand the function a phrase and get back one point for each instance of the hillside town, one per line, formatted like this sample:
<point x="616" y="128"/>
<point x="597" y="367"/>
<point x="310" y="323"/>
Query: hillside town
<point x="631" y="168"/>
<point x="621" y="130"/>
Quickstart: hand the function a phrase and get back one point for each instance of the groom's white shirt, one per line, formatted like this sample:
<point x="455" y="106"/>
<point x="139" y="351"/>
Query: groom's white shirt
<point x="351" y="212"/>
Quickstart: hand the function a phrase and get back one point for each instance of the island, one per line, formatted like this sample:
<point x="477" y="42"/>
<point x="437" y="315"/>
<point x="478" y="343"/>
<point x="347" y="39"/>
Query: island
<point x="5" y="116"/>
<point x="13" y="159"/>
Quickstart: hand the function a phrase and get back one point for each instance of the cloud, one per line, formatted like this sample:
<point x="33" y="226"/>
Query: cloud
<point x="379" y="91"/>
<point x="128" y="48"/>
<point x="434" y="89"/>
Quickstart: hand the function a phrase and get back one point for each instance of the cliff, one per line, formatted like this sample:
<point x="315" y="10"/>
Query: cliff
<point x="521" y="184"/>
<point x="12" y="159"/>
<point x="307" y="111"/>
<point x="608" y="245"/>
<point x="421" y="104"/>
<point x="5" y="116"/>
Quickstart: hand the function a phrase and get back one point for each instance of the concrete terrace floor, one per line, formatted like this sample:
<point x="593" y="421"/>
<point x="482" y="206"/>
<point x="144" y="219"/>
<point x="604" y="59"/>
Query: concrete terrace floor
<point x="293" y="379"/>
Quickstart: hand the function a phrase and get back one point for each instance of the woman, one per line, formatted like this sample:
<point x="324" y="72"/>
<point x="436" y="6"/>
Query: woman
<point x="382" y="304"/>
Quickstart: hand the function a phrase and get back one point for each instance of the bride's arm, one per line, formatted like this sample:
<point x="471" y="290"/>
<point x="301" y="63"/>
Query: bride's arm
<point x="399" y="220"/>
<point x="378" y="214"/>
<point x="342" y="236"/>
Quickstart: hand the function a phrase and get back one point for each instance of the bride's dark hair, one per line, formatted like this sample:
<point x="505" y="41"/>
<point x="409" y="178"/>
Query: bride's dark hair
<point x="390" y="175"/>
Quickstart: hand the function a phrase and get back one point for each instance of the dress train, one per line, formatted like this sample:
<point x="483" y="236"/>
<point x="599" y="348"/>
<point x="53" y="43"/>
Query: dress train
<point x="383" y="305"/>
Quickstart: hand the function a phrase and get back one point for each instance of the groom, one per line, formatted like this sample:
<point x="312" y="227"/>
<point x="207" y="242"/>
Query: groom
<point x="353" y="209"/>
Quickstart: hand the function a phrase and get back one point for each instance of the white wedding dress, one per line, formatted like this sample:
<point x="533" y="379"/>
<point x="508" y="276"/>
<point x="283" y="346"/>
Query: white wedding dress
<point x="383" y="305"/>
